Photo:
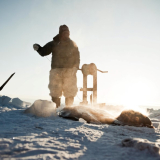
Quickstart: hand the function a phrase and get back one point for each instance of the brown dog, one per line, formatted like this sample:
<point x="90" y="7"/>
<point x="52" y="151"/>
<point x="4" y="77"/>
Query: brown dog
<point x="94" y="115"/>
<point x="133" y="118"/>
<point x="90" y="115"/>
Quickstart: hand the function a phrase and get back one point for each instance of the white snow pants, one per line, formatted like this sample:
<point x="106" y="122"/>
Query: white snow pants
<point x="63" y="81"/>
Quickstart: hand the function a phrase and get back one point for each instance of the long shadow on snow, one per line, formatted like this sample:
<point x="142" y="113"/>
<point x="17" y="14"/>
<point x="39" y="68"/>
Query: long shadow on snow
<point x="108" y="144"/>
<point x="21" y="129"/>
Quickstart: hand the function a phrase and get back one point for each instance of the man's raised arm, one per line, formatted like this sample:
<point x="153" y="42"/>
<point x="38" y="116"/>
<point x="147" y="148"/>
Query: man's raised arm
<point x="45" y="50"/>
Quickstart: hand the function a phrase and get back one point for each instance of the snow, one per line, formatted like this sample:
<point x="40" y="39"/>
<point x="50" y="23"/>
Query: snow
<point x="42" y="108"/>
<point x="28" y="136"/>
<point x="15" y="102"/>
<point x="141" y="144"/>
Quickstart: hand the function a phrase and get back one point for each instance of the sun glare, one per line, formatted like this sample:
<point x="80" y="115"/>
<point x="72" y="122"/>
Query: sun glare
<point x="136" y="95"/>
<point x="131" y="93"/>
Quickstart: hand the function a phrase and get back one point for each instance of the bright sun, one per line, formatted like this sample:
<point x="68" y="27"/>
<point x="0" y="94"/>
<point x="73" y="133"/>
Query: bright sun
<point x="136" y="95"/>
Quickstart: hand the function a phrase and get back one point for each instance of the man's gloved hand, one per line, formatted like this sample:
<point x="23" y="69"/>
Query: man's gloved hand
<point x="35" y="47"/>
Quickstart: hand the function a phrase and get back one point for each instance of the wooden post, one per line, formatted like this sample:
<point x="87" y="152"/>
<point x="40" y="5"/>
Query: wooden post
<point x="90" y="69"/>
<point x="85" y="89"/>
<point x="95" y="88"/>
<point x="91" y="99"/>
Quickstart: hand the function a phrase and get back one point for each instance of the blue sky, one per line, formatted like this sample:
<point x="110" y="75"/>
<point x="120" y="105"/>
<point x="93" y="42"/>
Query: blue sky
<point x="121" y="36"/>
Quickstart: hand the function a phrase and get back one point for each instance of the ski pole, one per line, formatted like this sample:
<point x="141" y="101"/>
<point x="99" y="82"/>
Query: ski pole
<point x="6" y="81"/>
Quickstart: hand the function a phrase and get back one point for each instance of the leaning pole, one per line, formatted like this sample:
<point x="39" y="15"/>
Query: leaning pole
<point x="6" y="81"/>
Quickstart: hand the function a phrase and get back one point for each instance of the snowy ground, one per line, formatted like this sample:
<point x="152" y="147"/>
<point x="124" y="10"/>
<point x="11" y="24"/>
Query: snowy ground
<point x="25" y="136"/>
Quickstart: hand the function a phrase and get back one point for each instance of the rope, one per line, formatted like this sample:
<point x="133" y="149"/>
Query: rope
<point x="48" y="59"/>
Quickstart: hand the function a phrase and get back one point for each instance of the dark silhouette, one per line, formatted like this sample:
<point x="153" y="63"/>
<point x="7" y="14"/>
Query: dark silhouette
<point x="64" y="66"/>
<point x="6" y="81"/>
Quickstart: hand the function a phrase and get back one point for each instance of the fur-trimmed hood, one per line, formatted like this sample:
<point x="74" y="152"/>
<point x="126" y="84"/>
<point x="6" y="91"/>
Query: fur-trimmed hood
<point x="57" y="39"/>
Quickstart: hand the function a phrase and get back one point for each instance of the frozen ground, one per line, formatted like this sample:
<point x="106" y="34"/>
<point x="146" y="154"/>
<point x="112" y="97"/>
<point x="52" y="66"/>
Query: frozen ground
<point x="25" y="136"/>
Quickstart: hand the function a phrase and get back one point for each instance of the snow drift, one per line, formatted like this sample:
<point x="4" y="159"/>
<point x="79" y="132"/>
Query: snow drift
<point x="25" y="136"/>
<point x="42" y="108"/>
<point x="15" y="102"/>
<point x="141" y="144"/>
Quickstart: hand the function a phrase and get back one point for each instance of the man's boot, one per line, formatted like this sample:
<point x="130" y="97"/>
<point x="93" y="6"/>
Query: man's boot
<point x="57" y="101"/>
<point x="69" y="101"/>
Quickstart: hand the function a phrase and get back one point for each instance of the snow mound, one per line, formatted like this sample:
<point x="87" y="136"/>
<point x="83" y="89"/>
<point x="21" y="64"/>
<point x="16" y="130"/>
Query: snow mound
<point x="15" y="102"/>
<point x="4" y="100"/>
<point x="19" y="103"/>
<point x="154" y="114"/>
<point x="42" y="108"/>
<point x="141" y="144"/>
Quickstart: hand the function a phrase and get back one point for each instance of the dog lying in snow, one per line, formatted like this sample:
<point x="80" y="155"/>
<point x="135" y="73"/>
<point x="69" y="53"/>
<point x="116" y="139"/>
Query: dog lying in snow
<point x="92" y="115"/>
<point x="133" y="118"/>
<point x="43" y="108"/>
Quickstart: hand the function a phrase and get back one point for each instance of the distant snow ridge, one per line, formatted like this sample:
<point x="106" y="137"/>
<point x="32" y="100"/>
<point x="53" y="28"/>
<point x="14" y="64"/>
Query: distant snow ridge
<point x="15" y="102"/>
<point x="141" y="144"/>
<point x="4" y="100"/>
<point x="154" y="114"/>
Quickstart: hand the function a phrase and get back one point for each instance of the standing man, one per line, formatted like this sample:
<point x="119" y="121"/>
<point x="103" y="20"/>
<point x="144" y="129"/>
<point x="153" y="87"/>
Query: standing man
<point x="64" y="66"/>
